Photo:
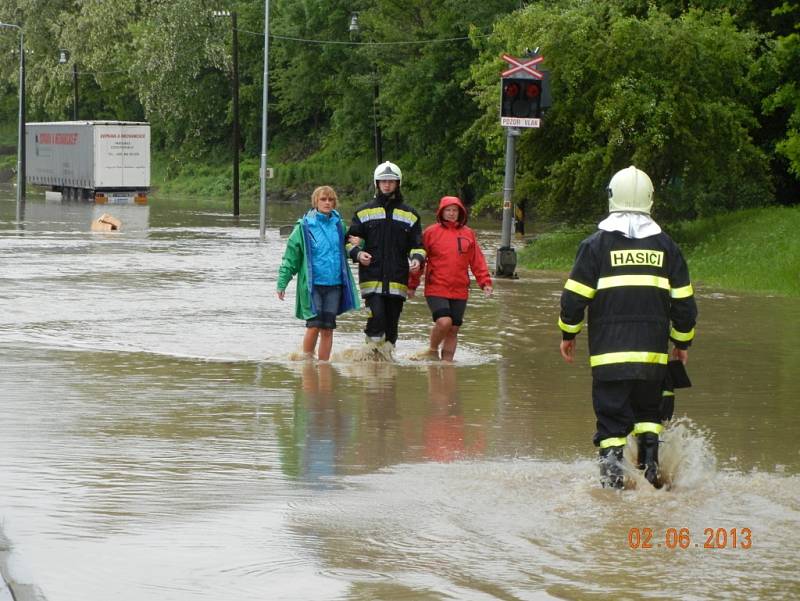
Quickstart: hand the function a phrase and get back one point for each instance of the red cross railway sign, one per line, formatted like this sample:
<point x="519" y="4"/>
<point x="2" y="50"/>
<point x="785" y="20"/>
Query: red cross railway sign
<point x="522" y="88"/>
<point x="522" y="66"/>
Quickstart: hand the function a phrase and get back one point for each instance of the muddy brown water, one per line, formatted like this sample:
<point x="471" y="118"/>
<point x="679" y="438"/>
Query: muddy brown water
<point x="159" y="439"/>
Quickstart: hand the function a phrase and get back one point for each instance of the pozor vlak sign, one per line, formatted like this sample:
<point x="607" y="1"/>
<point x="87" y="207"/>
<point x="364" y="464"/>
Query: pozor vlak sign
<point x="522" y="92"/>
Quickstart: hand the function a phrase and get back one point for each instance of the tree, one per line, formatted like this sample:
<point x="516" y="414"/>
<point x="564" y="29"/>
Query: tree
<point x="315" y="76"/>
<point x="425" y="104"/>
<point x="675" y="97"/>
<point x="787" y="92"/>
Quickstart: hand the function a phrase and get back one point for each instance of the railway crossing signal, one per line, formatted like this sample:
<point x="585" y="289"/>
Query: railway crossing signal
<point x="524" y="92"/>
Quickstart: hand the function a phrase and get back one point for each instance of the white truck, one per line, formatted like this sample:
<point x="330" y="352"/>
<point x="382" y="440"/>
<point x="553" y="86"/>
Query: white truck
<point x="99" y="161"/>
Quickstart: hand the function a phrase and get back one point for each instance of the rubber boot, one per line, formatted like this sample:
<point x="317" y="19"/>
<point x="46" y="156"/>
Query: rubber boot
<point x="611" y="467"/>
<point x="374" y="346"/>
<point x="648" y="457"/>
<point x="386" y="351"/>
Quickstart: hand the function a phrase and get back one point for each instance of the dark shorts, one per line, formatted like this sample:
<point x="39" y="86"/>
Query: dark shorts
<point x="326" y="300"/>
<point x="447" y="307"/>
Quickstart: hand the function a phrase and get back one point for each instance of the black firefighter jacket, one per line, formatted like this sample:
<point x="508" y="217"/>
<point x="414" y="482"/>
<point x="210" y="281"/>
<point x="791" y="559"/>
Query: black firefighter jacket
<point x="392" y="233"/>
<point x="639" y="297"/>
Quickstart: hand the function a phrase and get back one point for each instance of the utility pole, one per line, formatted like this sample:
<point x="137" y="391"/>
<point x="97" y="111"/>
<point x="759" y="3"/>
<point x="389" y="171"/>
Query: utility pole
<point x="74" y="91"/>
<point x="376" y="127"/>
<point x="375" y="119"/>
<point x="63" y="58"/>
<point x="236" y="142"/>
<point x="21" y="176"/>
<point x="262" y="213"/>
<point x="236" y="139"/>
<point x="20" y="122"/>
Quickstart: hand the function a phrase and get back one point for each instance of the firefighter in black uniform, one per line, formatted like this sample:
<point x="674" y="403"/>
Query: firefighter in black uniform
<point x="390" y="232"/>
<point x="635" y="282"/>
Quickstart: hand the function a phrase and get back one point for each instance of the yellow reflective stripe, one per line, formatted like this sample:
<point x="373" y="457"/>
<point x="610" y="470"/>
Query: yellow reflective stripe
<point x="667" y="393"/>
<point x="643" y="427"/>
<point x="370" y="214"/>
<point x="681" y="336"/>
<point x="404" y="216"/>
<point x="613" y="442"/>
<point x="628" y="357"/>
<point x="570" y="329"/>
<point x="684" y="292"/>
<point x="418" y="251"/>
<point x="370" y="287"/>
<point x="632" y="280"/>
<point x="579" y="288"/>
<point x="394" y="288"/>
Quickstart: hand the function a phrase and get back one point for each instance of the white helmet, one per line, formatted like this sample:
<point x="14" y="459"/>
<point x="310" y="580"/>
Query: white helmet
<point x="388" y="171"/>
<point x="630" y="190"/>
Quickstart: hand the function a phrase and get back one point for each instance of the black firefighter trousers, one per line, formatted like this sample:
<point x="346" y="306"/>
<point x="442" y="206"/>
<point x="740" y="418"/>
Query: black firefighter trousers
<point x="384" y="315"/>
<point x="619" y="404"/>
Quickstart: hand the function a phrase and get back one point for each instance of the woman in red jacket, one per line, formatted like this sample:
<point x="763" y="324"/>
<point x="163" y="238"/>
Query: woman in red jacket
<point x="452" y="251"/>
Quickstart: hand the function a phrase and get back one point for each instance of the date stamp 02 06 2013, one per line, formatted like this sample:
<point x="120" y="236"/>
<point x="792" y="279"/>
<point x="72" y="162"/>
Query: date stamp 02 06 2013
<point x="681" y="538"/>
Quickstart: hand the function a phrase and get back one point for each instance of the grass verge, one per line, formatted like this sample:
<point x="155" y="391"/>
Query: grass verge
<point x="211" y="178"/>
<point x="755" y="250"/>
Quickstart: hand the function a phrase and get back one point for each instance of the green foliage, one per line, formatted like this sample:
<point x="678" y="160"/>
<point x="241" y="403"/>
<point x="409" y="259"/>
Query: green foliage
<point x="754" y="250"/>
<point x="787" y="93"/>
<point x="554" y="250"/>
<point x="425" y="104"/>
<point x="702" y="94"/>
<point x="676" y="97"/>
<point x="211" y="177"/>
<point x="9" y="133"/>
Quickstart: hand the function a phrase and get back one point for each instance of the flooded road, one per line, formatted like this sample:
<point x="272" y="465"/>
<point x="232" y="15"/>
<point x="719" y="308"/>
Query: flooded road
<point x="159" y="441"/>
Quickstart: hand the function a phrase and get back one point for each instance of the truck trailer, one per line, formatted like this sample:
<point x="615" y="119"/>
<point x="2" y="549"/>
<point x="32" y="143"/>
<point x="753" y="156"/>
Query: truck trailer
<point x="98" y="161"/>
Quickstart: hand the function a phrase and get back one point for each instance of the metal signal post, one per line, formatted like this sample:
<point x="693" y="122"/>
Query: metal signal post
<point x="506" y="255"/>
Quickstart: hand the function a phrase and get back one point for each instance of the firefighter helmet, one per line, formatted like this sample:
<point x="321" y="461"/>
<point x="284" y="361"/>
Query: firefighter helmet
<point x="630" y="190"/>
<point x="388" y="171"/>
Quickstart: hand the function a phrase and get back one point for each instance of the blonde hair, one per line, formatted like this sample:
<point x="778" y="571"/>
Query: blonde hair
<point x="319" y="191"/>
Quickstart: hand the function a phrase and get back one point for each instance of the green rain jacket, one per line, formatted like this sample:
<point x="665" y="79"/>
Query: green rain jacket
<point x="296" y="262"/>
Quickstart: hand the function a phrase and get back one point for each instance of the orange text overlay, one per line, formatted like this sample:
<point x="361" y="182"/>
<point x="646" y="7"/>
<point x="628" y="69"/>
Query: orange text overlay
<point x="684" y="538"/>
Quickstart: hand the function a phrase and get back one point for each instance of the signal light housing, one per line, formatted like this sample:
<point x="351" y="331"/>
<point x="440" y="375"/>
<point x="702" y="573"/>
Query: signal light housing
<point x="521" y="97"/>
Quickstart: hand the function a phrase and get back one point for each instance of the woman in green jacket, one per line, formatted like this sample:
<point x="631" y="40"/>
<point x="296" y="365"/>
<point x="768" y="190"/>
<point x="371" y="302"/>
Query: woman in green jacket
<point x="316" y="253"/>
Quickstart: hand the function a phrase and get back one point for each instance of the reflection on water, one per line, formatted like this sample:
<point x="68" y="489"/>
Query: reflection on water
<point x="158" y="441"/>
<point x="447" y="436"/>
<point x="76" y="217"/>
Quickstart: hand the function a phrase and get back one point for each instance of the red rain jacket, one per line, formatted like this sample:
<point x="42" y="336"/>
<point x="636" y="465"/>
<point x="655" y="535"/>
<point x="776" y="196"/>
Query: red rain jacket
<point x="452" y="252"/>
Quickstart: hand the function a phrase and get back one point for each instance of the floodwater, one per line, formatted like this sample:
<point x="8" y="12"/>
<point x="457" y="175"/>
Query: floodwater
<point x="159" y="440"/>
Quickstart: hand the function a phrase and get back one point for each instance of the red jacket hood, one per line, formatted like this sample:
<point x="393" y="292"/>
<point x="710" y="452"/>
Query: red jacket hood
<point x="446" y="202"/>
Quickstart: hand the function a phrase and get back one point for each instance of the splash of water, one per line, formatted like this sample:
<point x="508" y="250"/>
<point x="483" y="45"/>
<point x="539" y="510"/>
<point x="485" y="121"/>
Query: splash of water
<point x="686" y="457"/>
<point x="424" y="354"/>
<point x="383" y="352"/>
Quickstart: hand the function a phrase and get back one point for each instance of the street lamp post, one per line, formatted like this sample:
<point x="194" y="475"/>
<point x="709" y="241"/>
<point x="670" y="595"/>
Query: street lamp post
<point x="378" y="139"/>
<point x="63" y="57"/>
<point x="235" y="96"/>
<point x="21" y="121"/>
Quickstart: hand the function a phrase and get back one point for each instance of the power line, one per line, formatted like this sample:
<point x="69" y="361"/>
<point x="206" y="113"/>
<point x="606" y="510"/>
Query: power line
<point x="323" y="42"/>
<point x="355" y="43"/>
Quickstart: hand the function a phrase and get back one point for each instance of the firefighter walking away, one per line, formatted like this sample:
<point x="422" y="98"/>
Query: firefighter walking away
<point x="634" y="281"/>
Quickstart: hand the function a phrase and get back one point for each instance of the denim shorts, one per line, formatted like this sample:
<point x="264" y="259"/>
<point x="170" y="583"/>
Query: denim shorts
<point x="326" y="300"/>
